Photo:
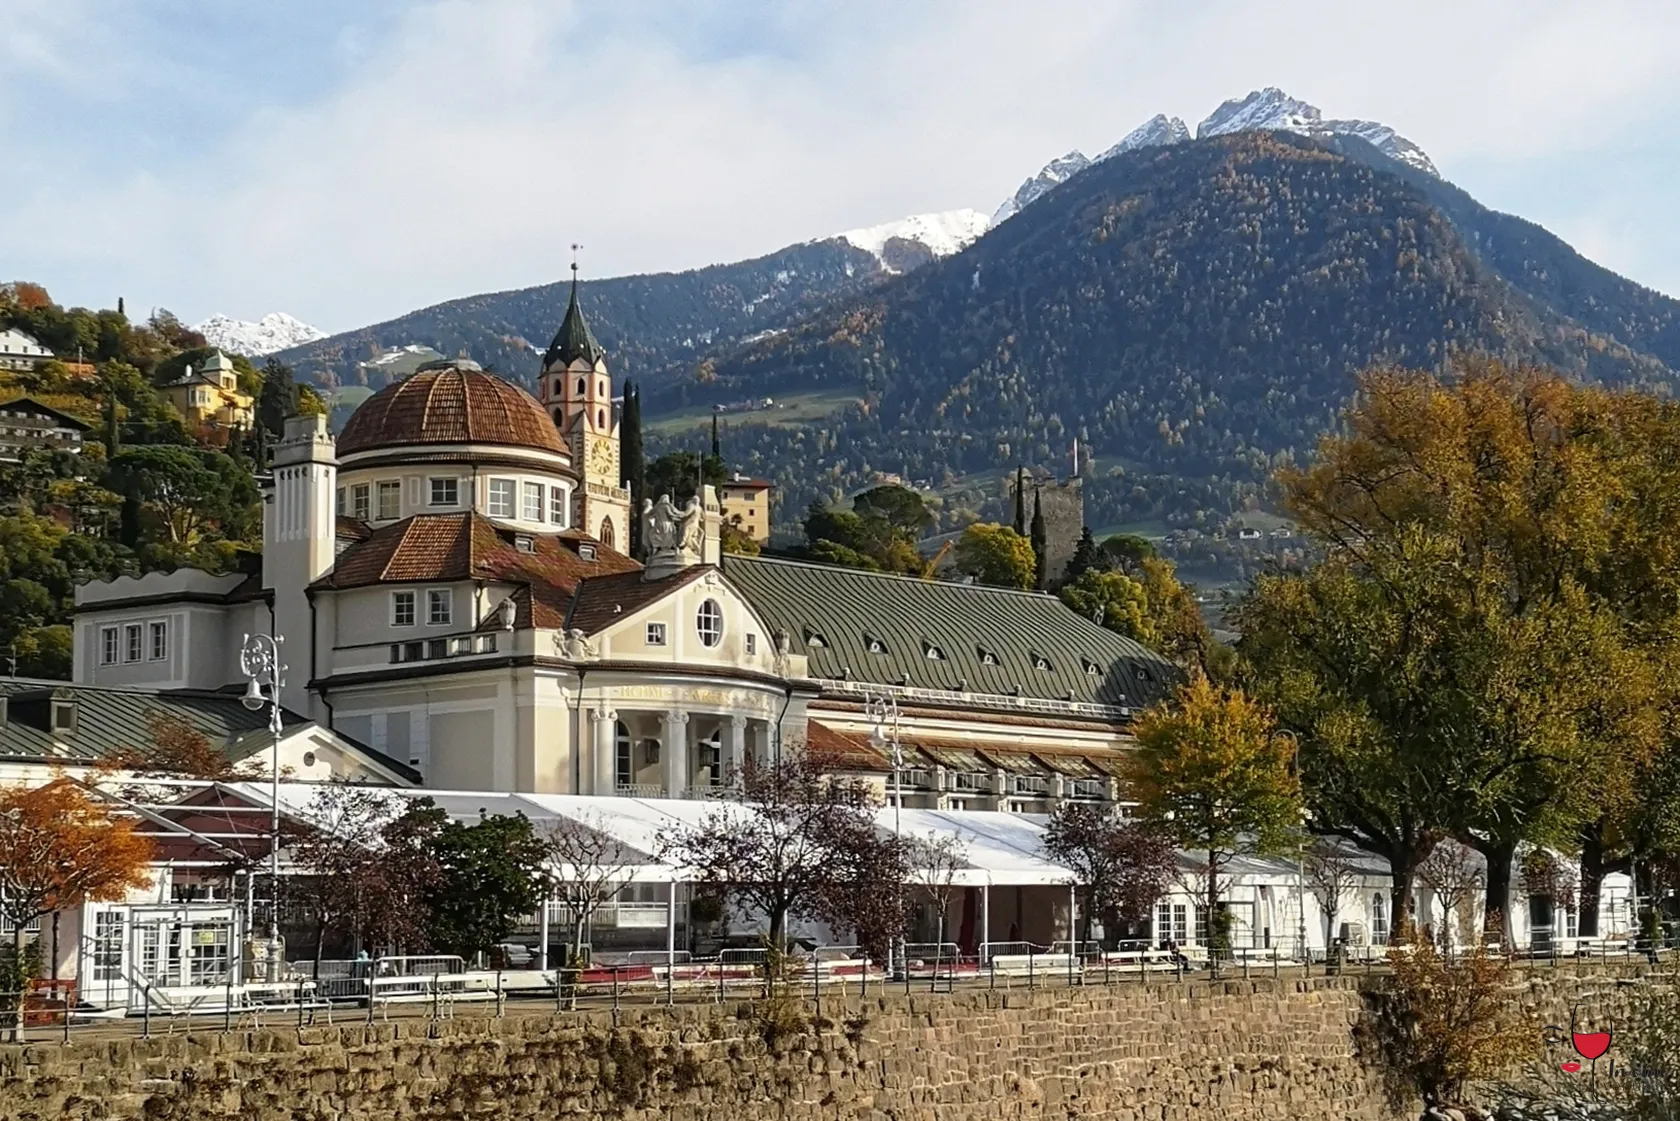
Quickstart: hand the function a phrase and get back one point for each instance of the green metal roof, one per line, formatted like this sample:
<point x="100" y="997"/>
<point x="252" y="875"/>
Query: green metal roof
<point x="111" y="719"/>
<point x="869" y="627"/>
<point x="573" y="340"/>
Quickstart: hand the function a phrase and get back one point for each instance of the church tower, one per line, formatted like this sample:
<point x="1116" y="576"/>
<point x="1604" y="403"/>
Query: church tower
<point x="576" y="389"/>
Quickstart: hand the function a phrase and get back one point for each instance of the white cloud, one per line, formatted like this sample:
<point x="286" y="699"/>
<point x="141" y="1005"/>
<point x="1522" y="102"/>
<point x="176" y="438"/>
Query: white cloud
<point x="472" y="142"/>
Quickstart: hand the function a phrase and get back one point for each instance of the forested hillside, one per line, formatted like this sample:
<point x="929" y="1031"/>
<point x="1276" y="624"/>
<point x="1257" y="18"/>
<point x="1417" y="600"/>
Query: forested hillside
<point x="1193" y="314"/>
<point x="655" y="326"/>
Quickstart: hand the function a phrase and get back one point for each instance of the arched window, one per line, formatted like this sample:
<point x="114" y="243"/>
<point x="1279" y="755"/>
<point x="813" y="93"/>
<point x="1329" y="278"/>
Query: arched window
<point x="600" y="418"/>
<point x="605" y="537"/>
<point x="559" y="417"/>
<point x="559" y="388"/>
<point x="1379" y="919"/>
<point x="624" y="774"/>
<point x="582" y="384"/>
<point x="601" y="388"/>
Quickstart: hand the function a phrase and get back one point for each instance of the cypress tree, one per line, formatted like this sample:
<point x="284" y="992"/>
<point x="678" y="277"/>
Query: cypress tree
<point x="717" y="449"/>
<point x="1020" y="500"/>
<point x="1040" y="539"/>
<point x="113" y="430"/>
<point x="632" y="467"/>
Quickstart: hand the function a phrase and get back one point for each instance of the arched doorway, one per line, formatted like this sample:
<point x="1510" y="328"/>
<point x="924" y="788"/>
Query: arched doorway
<point x="606" y="535"/>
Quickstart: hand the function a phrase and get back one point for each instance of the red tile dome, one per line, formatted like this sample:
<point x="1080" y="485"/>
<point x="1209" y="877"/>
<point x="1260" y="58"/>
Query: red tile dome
<point x="450" y="402"/>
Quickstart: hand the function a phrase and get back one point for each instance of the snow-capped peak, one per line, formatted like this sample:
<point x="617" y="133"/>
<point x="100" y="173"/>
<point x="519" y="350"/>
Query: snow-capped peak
<point x="1272" y="109"/>
<point x="274" y="331"/>
<point x="1053" y="174"/>
<point x="902" y="245"/>
<point x="1157" y="130"/>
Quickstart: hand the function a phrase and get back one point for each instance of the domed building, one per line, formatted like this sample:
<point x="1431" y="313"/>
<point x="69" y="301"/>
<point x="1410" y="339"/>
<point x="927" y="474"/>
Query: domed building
<point x="449" y="579"/>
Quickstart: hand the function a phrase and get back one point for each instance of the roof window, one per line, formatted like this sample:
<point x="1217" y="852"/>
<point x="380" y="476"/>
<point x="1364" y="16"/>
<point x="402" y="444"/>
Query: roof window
<point x="987" y="657"/>
<point x="1142" y="671"/>
<point x="873" y="644"/>
<point x="586" y="552"/>
<point x="1091" y="668"/>
<point x="932" y="652"/>
<point x="815" y="640"/>
<point x="524" y="543"/>
<point x="64" y="717"/>
<point x="1040" y="662"/>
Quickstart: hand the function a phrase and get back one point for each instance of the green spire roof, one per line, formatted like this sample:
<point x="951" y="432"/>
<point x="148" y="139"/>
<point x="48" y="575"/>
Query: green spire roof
<point x="573" y="340"/>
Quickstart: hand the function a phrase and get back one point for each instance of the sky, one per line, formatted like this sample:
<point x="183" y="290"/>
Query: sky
<point x="348" y="162"/>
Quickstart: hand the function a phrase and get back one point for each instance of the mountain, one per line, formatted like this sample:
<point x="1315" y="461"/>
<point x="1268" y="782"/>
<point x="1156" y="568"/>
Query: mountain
<point x="1157" y="130"/>
<point x="912" y="242"/>
<point x="273" y="332"/>
<point x="653" y="325"/>
<point x="1053" y="174"/>
<point x="1193" y="313"/>
<point x="1271" y="109"/>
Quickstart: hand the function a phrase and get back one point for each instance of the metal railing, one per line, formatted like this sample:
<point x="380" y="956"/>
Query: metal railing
<point x="441" y="987"/>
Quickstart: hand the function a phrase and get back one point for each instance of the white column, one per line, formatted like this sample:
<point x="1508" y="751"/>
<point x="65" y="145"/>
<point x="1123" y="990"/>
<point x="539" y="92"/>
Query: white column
<point x="735" y="749"/>
<point x="674" y="754"/>
<point x="671" y="926"/>
<point x="606" y="730"/>
<point x="985" y="913"/>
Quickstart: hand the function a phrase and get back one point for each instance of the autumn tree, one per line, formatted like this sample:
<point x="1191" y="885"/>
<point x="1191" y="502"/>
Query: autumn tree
<point x="371" y="866"/>
<point x="996" y="555"/>
<point x="1213" y="771"/>
<point x="797" y="843"/>
<point x="1120" y="866"/>
<point x="60" y="848"/>
<point x="176" y="748"/>
<point x="1470" y="657"/>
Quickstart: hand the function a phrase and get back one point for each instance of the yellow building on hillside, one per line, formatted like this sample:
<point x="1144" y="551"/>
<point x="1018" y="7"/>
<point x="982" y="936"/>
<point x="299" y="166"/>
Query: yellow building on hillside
<point x="746" y="505"/>
<point x="209" y="396"/>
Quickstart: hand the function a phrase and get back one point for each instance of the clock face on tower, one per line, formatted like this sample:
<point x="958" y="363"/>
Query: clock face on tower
<point x="603" y="459"/>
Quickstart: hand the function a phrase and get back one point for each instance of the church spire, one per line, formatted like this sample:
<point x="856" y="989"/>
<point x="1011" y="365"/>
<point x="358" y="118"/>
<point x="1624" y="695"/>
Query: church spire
<point x="573" y="340"/>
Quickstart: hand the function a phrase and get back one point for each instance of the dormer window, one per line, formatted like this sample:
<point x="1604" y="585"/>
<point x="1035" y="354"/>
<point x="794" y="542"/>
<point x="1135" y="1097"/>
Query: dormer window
<point x="64" y="717"/>
<point x="586" y="552"/>
<point x="873" y="644"/>
<point x="815" y="640"/>
<point x="1143" y="672"/>
<point x="1040" y="662"/>
<point x="987" y="657"/>
<point x="1091" y="668"/>
<point x="932" y="652"/>
<point x="524" y="543"/>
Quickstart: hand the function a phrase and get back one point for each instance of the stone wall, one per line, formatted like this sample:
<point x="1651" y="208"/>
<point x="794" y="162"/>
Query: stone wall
<point x="1235" y="1050"/>
<point x="1250" y="1049"/>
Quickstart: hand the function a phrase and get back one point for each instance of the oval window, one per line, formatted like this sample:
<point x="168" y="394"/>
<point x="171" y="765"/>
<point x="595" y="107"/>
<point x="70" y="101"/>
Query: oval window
<point x="708" y="623"/>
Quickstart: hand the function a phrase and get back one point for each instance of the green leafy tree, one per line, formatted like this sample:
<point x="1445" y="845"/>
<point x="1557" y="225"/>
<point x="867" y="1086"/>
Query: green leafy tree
<point x="1128" y="550"/>
<point x="1113" y="600"/>
<point x="185" y="493"/>
<point x="1213" y="771"/>
<point x="678" y="473"/>
<point x="996" y="554"/>
<point x="490" y="877"/>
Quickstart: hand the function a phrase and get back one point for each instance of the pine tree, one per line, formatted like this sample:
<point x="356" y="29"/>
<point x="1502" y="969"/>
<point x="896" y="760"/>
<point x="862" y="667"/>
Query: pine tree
<point x="1020" y="500"/>
<point x="1040" y="539"/>
<point x="1086" y="556"/>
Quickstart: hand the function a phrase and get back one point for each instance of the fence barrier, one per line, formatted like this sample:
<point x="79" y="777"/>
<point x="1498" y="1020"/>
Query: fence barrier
<point x="438" y="986"/>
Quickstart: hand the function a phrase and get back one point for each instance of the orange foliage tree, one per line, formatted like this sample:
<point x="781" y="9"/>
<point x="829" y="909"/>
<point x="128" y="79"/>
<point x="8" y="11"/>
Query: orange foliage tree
<point x="60" y="848"/>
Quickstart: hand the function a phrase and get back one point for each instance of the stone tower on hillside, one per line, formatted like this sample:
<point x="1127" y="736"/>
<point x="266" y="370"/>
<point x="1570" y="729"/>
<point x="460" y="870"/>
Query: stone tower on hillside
<point x="576" y="390"/>
<point x="1063" y="503"/>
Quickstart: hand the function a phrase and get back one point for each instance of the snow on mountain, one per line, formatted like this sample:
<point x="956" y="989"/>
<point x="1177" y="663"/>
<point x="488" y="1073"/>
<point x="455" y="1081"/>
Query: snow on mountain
<point x="1054" y="174"/>
<point x="1157" y="130"/>
<point x="1272" y="109"/>
<point x="908" y="242"/>
<point x="275" y="331"/>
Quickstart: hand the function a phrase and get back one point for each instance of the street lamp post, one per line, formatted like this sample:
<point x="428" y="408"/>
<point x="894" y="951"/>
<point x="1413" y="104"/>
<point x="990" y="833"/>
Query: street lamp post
<point x="259" y="660"/>
<point x="883" y="711"/>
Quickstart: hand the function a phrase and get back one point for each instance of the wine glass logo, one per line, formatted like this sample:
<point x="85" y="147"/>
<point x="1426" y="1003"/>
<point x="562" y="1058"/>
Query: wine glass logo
<point x="1590" y="1037"/>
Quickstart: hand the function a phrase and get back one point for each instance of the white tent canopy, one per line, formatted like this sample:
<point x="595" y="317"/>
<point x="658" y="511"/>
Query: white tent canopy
<point x="997" y="849"/>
